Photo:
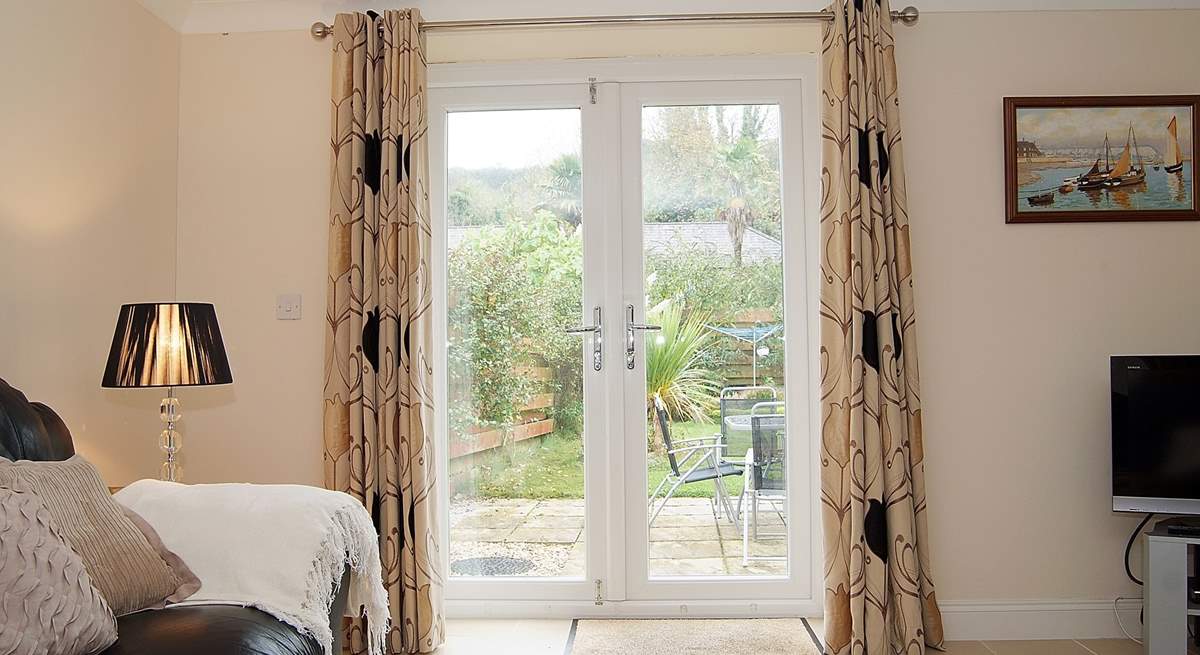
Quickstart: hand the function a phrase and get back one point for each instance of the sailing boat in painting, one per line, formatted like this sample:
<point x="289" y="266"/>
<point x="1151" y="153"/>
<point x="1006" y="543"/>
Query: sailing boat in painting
<point x="1125" y="173"/>
<point x="1173" y="160"/>
<point x="1095" y="177"/>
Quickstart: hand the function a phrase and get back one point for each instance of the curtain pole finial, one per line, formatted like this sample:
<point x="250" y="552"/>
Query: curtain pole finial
<point x="909" y="15"/>
<point x="320" y="30"/>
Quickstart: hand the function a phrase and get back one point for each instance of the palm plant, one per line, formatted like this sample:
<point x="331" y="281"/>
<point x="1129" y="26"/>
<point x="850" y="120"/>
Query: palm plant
<point x="565" y="190"/>
<point x="673" y="364"/>
<point x="740" y="163"/>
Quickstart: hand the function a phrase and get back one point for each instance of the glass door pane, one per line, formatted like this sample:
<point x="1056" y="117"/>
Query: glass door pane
<point x="712" y="260"/>
<point x="514" y="253"/>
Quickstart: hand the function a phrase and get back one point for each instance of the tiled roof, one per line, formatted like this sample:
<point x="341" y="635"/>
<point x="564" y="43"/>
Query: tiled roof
<point x="714" y="236"/>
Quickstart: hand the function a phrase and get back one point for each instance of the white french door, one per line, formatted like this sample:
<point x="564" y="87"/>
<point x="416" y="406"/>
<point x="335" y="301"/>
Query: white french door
<point x="615" y="261"/>
<point x="763" y="544"/>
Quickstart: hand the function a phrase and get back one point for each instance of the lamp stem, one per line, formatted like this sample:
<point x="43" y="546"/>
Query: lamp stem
<point x="170" y="440"/>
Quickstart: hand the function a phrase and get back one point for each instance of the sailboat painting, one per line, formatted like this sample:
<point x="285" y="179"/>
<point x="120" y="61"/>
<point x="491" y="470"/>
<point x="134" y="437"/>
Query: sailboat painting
<point x="1101" y="158"/>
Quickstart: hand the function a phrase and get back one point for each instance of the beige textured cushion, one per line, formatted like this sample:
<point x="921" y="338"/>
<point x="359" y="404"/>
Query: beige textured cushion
<point x="126" y="568"/>
<point x="48" y="605"/>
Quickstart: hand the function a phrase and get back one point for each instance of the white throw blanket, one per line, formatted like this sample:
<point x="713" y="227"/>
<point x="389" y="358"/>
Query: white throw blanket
<point x="279" y="548"/>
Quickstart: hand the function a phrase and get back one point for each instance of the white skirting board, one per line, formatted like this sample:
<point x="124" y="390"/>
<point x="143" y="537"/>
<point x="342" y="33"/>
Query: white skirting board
<point x="963" y="620"/>
<point x="1038" y="619"/>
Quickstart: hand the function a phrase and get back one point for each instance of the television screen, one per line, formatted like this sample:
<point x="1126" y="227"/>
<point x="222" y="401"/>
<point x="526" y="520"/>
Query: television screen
<point x="1156" y="433"/>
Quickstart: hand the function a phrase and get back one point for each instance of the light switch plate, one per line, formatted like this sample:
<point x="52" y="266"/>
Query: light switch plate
<point x="287" y="307"/>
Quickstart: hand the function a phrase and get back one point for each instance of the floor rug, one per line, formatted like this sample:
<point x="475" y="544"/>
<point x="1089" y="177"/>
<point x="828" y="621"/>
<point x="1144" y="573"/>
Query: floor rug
<point x="692" y="637"/>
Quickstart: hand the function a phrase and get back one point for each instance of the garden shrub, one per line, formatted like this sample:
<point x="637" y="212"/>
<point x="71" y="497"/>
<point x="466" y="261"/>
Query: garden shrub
<point x="708" y="284"/>
<point x="512" y="290"/>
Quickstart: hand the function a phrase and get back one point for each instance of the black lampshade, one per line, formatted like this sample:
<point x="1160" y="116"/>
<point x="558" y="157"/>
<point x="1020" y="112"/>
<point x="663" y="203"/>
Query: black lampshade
<point x="167" y="345"/>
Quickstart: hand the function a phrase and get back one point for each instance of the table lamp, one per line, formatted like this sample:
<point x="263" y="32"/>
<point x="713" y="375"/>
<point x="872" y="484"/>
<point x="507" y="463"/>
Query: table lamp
<point x="175" y="344"/>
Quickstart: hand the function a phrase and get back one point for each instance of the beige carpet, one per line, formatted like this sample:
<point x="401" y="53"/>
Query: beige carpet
<point x="692" y="636"/>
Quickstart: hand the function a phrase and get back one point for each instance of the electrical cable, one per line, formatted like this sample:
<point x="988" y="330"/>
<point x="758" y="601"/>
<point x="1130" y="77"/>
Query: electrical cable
<point x="1129" y="546"/>
<point x="1129" y="572"/>
<point x="1120" y="624"/>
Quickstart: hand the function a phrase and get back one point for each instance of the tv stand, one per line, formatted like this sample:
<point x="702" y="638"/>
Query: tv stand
<point x="1169" y="604"/>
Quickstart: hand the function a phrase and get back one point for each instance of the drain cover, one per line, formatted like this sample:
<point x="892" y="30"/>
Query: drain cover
<point x="490" y="566"/>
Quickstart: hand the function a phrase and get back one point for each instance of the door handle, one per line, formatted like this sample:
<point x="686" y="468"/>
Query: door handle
<point x="596" y="329"/>
<point x="630" y="326"/>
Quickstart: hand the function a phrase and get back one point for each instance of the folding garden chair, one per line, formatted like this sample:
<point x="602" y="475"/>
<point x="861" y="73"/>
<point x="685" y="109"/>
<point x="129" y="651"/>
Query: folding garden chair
<point x="765" y="479"/>
<point x="704" y="454"/>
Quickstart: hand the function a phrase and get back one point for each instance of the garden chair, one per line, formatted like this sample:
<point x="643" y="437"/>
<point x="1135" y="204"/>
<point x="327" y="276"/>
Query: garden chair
<point x="765" y="479"/>
<point x="704" y="456"/>
<point x="736" y="404"/>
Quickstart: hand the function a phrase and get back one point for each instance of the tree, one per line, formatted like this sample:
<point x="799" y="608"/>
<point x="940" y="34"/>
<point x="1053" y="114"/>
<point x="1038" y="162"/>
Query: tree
<point x="564" y="187"/>
<point x="713" y="162"/>
<point x="742" y="166"/>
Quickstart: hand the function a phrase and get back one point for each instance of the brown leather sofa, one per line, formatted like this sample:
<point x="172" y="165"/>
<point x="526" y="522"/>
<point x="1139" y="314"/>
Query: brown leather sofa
<point x="33" y="431"/>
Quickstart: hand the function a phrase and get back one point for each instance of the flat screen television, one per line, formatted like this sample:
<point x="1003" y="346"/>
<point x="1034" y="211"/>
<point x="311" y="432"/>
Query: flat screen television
<point x="1156" y="433"/>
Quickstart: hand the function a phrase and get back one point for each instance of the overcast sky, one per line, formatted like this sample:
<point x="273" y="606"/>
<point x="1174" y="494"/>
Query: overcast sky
<point x="1085" y="127"/>
<point x="511" y="139"/>
<point x="533" y="137"/>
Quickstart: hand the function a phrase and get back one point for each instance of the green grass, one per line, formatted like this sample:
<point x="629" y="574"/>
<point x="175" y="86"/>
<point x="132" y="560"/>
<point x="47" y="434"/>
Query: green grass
<point x="552" y="467"/>
<point x="549" y="467"/>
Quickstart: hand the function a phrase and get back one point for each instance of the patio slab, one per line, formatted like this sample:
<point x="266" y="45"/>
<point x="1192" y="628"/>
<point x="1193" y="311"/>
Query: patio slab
<point x="697" y="566"/>
<point x="685" y="539"/>
<point x="553" y="521"/>
<point x="730" y="531"/>
<point x="685" y="549"/>
<point x="479" y="534"/>
<point x="768" y="519"/>
<point x="546" y="535"/>
<point x="764" y="547"/>
<point x="695" y="533"/>
<point x="688" y="506"/>
<point x="492" y="518"/>
<point x="512" y="503"/>
<point x="558" y="508"/>
<point x="682" y="520"/>
<point x="734" y="566"/>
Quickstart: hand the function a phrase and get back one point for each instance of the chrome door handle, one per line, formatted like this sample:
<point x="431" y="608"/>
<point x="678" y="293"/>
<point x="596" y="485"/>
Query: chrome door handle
<point x="630" y="326"/>
<point x="596" y="329"/>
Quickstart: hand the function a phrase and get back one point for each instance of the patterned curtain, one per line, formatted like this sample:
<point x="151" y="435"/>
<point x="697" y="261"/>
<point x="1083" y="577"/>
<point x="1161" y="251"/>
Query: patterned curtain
<point x="879" y="595"/>
<point x="378" y="396"/>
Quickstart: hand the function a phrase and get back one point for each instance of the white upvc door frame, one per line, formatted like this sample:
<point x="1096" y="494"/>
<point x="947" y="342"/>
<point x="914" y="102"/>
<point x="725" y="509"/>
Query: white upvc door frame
<point x="750" y="590"/>
<point x="559" y="84"/>
<point x="596" y="252"/>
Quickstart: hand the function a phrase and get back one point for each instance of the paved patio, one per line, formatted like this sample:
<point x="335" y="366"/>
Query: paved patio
<point x="545" y="538"/>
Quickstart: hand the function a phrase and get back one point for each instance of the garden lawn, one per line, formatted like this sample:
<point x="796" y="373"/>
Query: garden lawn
<point x="552" y="467"/>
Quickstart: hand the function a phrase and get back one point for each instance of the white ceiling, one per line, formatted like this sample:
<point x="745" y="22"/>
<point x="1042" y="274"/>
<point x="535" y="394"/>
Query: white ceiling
<point x="207" y="16"/>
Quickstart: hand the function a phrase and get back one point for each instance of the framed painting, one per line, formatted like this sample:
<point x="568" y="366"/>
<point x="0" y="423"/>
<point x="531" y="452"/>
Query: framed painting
<point x="1100" y="158"/>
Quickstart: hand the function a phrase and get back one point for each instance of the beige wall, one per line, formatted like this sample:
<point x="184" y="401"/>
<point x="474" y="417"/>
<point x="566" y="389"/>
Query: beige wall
<point x="89" y="97"/>
<point x="641" y="41"/>
<point x="1017" y="320"/>
<point x="253" y="204"/>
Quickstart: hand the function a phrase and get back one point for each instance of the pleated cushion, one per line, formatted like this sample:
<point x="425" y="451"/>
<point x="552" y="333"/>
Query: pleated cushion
<point x="124" y="565"/>
<point x="48" y="605"/>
